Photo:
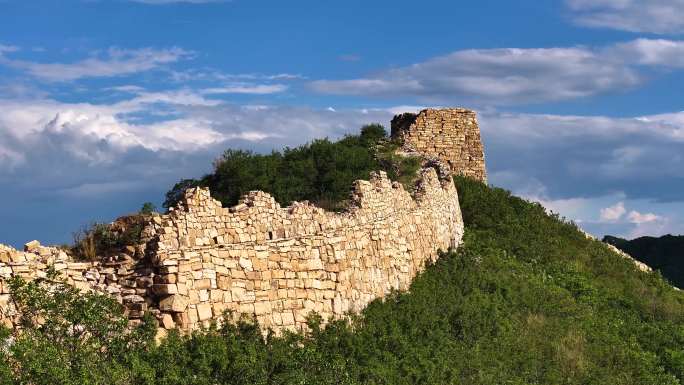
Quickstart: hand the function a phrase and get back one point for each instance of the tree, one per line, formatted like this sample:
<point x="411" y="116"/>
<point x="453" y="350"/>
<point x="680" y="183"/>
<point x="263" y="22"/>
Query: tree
<point x="148" y="208"/>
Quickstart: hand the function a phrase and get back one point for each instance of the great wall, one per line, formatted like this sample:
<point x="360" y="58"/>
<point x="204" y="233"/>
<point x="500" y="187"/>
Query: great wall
<point x="281" y="263"/>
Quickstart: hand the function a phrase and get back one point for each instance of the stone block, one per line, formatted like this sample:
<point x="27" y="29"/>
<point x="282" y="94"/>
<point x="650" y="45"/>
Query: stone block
<point x="204" y="311"/>
<point x="173" y="303"/>
<point x="164" y="289"/>
<point x="31" y="246"/>
<point x="201" y="284"/>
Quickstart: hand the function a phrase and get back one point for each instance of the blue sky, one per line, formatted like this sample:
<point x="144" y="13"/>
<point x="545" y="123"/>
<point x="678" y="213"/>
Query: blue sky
<point x="105" y="104"/>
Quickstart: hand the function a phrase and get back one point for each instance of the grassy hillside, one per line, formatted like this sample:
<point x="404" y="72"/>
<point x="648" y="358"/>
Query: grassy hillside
<point x="527" y="299"/>
<point x="665" y="254"/>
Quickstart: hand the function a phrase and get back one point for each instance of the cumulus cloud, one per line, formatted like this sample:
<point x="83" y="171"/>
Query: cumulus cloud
<point x="639" y="218"/>
<point x="590" y="155"/>
<point x="650" y="52"/>
<point x="100" y="135"/>
<point x="114" y="62"/>
<point x="613" y="213"/>
<point x="657" y="16"/>
<point x="515" y="75"/>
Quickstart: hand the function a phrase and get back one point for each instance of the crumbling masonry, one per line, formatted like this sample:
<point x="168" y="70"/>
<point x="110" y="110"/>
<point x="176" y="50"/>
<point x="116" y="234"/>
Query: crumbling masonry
<point x="281" y="263"/>
<point x="450" y="135"/>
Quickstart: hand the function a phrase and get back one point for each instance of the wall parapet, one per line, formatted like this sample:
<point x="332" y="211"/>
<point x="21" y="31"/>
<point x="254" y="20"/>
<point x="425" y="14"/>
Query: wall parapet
<point x="281" y="263"/>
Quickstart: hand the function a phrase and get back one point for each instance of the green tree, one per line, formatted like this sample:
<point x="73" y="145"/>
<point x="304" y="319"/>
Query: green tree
<point x="147" y="208"/>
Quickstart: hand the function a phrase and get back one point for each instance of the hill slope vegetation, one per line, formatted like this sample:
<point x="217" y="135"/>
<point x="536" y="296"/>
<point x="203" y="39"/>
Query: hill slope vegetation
<point x="527" y="299"/>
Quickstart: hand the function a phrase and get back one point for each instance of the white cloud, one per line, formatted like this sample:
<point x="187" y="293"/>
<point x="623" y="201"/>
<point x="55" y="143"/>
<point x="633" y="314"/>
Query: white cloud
<point x="639" y="218"/>
<point x="572" y="164"/>
<point x="515" y="75"/>
<point x="657" y="16"/>
<point x="250" y="89"/>
<point x="127" y="88"/>
<point x="650" y="52"/>
<point x="8" y="48"/>
<point x="115" y="62"/>
<point x="613" y="213"/>
<point x="101" y="135"/>
<point x="213" y="76"/>
<point x="185" y="97"/>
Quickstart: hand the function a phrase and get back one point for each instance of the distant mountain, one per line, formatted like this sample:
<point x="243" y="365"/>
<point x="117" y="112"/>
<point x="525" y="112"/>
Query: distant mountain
<point x="665" y="254"/>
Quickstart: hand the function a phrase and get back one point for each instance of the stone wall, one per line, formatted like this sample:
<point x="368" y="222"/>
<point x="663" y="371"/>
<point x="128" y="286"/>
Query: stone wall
<point x="257" y="258"/>
<point x="122" y="277"/>
<point x="282" y="263"/>
<point x="451" y="135"/>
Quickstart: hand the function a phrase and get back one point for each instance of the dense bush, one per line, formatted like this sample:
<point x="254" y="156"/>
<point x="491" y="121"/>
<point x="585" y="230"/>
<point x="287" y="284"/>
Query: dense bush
<point x="321" y="171"/>
<point x="69" y="337"/>
<point x="527" y="299"/>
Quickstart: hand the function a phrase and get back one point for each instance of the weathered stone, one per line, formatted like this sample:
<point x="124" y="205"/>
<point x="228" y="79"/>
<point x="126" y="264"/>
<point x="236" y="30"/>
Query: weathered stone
<point x="204" y="311"/>
<point x="458" y="145"/>
<point x="31" y="246"/>
<point x="201" y="284"/>
<point x="164" y="289"/>
<point x="167" y="321"/>
<point x="173" y="303"/>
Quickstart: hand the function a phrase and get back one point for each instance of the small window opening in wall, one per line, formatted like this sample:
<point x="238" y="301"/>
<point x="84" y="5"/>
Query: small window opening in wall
<point x="270" y="235"/>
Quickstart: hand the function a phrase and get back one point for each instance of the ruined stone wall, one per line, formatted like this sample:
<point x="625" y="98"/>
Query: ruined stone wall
<point x="258" y="258"/>
<point x="122" y="277"/>
<point x="451" y="135"/>
<point x="282" y="263"/>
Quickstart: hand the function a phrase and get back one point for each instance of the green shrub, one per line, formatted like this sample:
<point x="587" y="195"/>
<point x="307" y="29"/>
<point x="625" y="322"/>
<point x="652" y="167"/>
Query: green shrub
<point x="321" y="172"/>
<point x="69" y="337"/>
<point x="147" y="208"/>
<point x="101" y="239"/>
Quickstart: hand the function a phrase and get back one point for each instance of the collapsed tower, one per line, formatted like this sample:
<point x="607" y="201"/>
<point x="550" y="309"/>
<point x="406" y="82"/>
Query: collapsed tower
<point x="452" y="135"/>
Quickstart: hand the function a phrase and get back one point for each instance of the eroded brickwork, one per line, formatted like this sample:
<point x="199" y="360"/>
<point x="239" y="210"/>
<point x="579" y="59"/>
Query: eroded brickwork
<point x="452" y="135"/>
<point x="283" y="263"/>
<point x="122" y="277"/>
<point x="258" y="258"/>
